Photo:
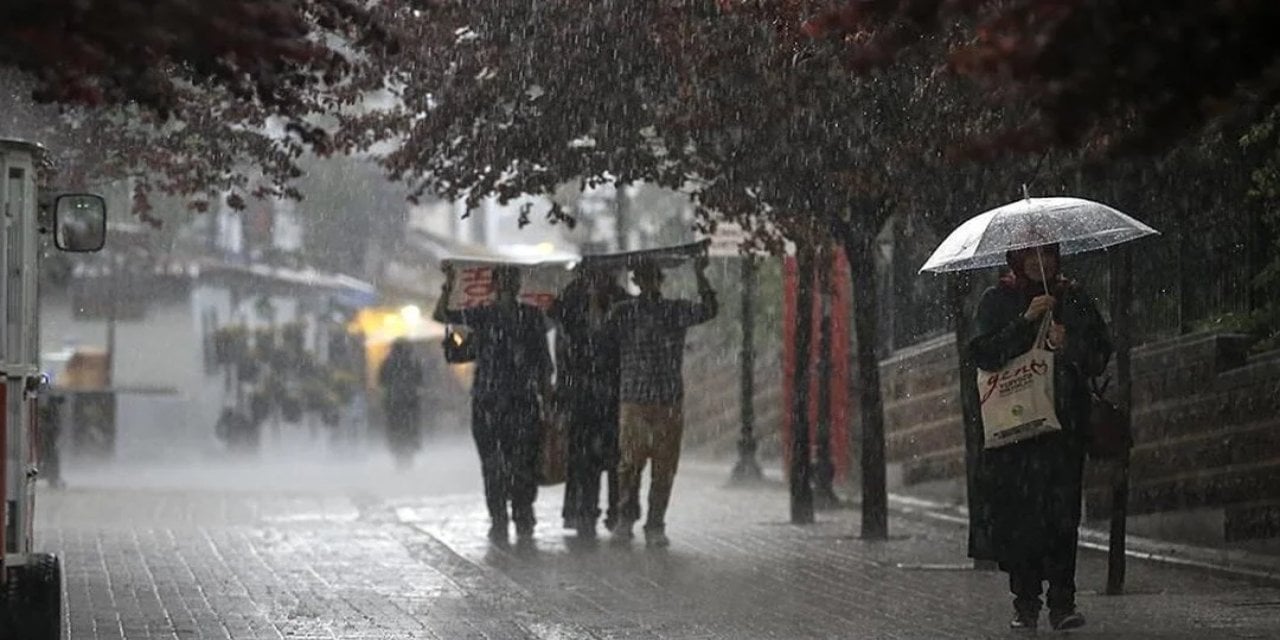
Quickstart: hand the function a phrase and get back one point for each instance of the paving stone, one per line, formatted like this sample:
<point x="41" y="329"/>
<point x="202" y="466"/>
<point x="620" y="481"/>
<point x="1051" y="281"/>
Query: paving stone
<point x="407" y="564"/>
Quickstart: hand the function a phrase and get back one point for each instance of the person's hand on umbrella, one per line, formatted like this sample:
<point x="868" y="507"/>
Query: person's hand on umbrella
<point x="1039" y="306"/>
<point x="447" y="287"/>
<point x="1057" y="335"/>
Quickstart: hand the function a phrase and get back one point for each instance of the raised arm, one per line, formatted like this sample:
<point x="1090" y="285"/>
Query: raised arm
<point x="706" y="308"/>
<point x="1003" y="332"/>
<point x="442" y="312"/>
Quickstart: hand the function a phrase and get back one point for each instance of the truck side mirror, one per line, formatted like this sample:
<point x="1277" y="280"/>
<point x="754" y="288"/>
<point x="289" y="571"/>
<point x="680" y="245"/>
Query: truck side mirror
<point x="80" y="222"/>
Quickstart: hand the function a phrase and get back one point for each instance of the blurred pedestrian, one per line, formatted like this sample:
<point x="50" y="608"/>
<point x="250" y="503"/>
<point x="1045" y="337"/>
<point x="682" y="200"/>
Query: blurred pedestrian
<point x="587" y="384"/>
<point x="651" y="331"/>
<point x="401" y="379"/>
<point x="512" y="384"/>
<point x="1034" y="487"/>
<point x="50" y="406"/>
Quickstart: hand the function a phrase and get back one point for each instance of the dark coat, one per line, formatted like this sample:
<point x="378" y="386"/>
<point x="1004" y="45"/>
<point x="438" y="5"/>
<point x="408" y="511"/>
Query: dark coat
<point x="589" y="375"/>
<point x="591" y="354"/>
<point x="1034" y="487"/>
<point x="512" y="359"/>
<point x="401" y="377"/>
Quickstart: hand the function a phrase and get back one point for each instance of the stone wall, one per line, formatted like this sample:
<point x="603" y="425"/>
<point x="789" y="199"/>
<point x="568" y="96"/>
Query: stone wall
<point x="1206" y="426"/>
<point x="713" y="415"/>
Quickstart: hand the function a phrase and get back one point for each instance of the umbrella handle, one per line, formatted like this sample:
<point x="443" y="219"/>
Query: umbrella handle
<point x="1045" y="281"/>
<point x="1042" y="335"/>
<point x="1040" y="262"/>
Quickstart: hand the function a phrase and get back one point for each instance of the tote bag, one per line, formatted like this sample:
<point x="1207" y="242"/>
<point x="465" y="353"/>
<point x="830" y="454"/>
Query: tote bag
<point x="1018" y="400"/>
<point x="553" y="452"/>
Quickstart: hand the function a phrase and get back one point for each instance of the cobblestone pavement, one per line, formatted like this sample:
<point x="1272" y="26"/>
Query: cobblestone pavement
<point x="347" y="550"/>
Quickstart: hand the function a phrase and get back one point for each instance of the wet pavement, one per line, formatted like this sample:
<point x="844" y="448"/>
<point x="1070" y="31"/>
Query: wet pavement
<point x="340" y="549"/>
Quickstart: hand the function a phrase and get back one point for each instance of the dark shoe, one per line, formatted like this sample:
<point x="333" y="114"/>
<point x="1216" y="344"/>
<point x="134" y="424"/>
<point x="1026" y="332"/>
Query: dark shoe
<point x="656" y="539"/>
<point x="498" y="534"/>
<point x="1066" y="621"/>
<point x="1024" y="622"/>
<point x="587" y="529"/>
<point x="524" y="531"/>
<point x="622" y="533"/>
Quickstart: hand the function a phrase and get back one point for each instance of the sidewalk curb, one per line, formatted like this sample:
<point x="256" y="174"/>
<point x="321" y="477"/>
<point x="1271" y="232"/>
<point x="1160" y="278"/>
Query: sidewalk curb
<point x="1242" y="564"/>
<point x="1248" y="565"/>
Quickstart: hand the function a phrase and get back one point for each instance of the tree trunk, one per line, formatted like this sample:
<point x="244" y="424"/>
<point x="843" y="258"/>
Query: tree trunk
<point x="824" y="468"/>
<point x="959" y="286"/>
<point x="875" y="503"/>
<point x="801" y="465"/>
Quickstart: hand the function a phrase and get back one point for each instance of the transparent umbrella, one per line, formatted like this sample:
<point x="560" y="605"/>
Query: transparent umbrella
<point x="1075" y="224"/>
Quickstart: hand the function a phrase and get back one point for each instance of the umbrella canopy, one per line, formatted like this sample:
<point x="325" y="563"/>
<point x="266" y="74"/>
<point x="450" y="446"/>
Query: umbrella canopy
<point x="665" y="257"/>
<point x="1076" y="224"/>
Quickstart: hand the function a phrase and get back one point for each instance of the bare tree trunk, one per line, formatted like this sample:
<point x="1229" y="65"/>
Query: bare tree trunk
<point x="824" y="472"/>
<point x="875" y="501"/>
<point x="801" y="471"/>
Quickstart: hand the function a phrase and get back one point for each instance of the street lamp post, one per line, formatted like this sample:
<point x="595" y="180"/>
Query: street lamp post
<point x="1121" y="301"/>
<point x="747" y="469"/>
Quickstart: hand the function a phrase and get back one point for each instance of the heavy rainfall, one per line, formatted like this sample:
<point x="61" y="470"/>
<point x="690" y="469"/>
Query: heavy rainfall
<point x="409" y="319"/>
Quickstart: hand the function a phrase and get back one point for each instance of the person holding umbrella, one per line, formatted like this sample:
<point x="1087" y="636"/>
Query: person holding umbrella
<point x="508" y="397"/>
<point x="1034" y="486"/>
<point x="651" y="332"/>
<point x="589" y="386"/>
<point x="1031" y="481"/>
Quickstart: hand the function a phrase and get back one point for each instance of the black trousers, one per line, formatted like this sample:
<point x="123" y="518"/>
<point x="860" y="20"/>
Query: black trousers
<point x="593" y="451"/>
<point x="506" y="431"/>
<point x="1058" y="568"/>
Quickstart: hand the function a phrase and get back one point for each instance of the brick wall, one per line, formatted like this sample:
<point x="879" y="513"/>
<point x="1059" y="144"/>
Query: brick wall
<point x="713" y="416"/>
<point x="923" y="429"/>
<point x="1206" y="426"/>
<point x="1206" y="422"/>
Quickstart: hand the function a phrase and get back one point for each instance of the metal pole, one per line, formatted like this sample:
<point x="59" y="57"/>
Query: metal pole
<point x="622" y="217"/>
<point x="801" y="467"/>
<point x="1121" y="302"/>
<point x="113" y="311"/>
<point x="747" y="469"/>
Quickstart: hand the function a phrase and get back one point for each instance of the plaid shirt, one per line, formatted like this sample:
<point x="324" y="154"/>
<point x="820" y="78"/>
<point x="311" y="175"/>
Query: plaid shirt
<point x="652" y="334"/>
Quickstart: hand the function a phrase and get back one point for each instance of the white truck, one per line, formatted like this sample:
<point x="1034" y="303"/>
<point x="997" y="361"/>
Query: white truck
<point x="30" y="581"/>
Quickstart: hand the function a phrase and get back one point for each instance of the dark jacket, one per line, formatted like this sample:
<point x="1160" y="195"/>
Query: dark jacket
<point x="401" y="376"/>
<point x="592" y="360"/>
<point x="1033" y="488"/>
<point x="512" y="359"/>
